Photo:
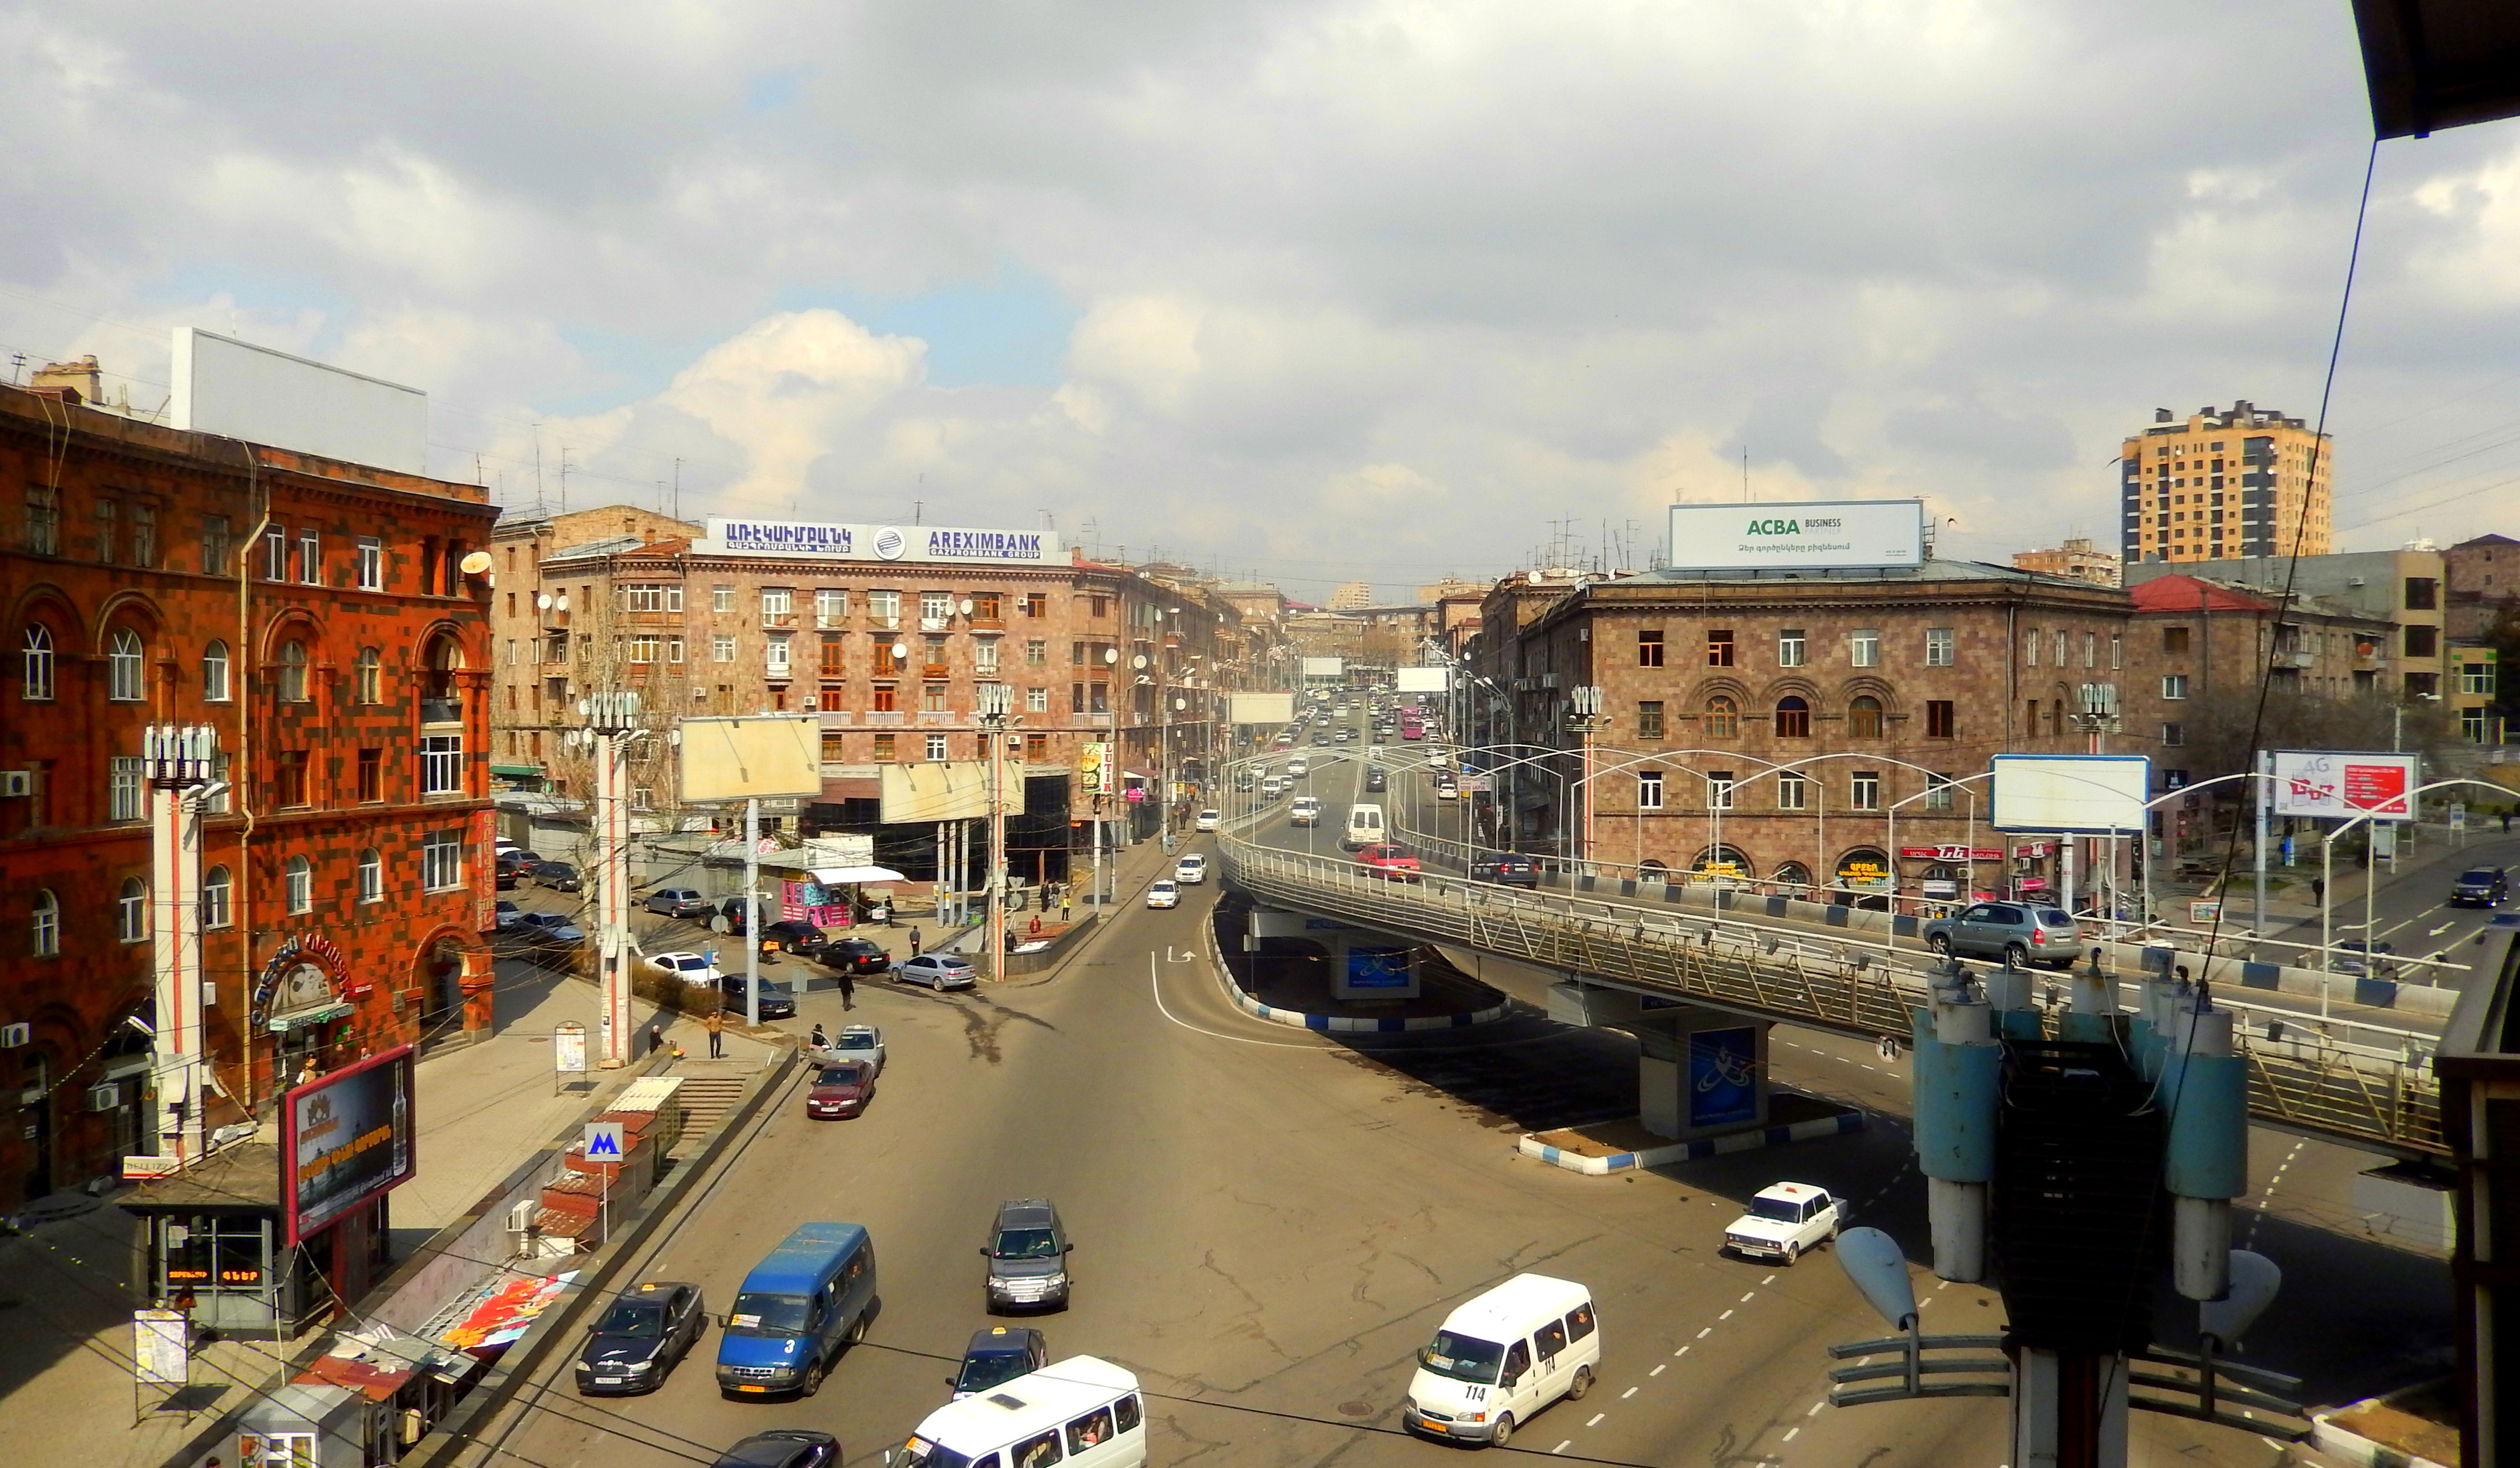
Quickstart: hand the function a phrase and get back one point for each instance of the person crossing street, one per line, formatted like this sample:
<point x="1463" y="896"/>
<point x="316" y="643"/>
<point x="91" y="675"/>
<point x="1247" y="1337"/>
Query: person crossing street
<point x="715" y="1024"/>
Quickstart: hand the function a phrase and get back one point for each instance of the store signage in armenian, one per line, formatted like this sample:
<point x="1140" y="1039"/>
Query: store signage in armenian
<point x="344" y="1138"/>
<point x="1949" y="853"/>
<point x="836" y="542"/>
<point x="306" y="982"/>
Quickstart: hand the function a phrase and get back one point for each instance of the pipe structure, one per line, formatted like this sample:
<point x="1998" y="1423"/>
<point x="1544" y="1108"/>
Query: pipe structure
<point x="2203" y="1086"/>
<point x="1957" y="1074"/>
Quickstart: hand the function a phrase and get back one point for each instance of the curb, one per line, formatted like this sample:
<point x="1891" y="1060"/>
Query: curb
<point x="1335" y="1024"/>
<point x="1689" y="1151"/>
<point x="2357" y="1451"/>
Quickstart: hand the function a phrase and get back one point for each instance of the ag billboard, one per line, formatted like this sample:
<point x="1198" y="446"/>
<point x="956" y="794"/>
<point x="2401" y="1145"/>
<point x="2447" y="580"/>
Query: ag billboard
<point x="2332" y="785"/>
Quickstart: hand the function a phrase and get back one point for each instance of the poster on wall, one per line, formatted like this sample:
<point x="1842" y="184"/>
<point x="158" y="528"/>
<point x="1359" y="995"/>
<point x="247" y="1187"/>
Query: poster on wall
<point x="1377" y="968"/>
<point x="345" y="1139"/>
<point x="1722" y="1077"/>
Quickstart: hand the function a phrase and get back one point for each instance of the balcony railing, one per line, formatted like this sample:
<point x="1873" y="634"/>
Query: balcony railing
<point x="884" y="719"/>
<point x="778" y="619"/>
<point x="934" y="624"/>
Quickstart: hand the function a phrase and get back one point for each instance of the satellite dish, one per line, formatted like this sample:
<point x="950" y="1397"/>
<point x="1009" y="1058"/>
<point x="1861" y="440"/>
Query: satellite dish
<point x="1138" y="661"/>
<point x="901" y="649"/>
<point x="476" y="563"/>
<point x="1532" y="576"/>
<point x="1180" y="704"/>
<point x="542" y="600"/>
<point x="2255" y="1278"/>
<point x="561" y="602"/>
<point x="966" y="606"/>
<point x="1111" y="654"/>
<point x="1873" y="1261"/>
<point x="585" y="707"/>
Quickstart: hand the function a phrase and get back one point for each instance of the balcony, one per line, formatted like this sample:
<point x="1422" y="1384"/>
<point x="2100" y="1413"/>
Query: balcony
<point x="979" y="623"/>
<point x="934" y="670"/>
<point x="884" y="719"/>
<point x="779" y="619"/>
<point x="935" y="624"/>
<point x="939" y="717"/>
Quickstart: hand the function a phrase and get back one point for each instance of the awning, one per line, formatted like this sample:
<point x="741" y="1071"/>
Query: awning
<point x="515" y="770"/>
<point x="832" y="876"/>
<point x="281" y="1024"/>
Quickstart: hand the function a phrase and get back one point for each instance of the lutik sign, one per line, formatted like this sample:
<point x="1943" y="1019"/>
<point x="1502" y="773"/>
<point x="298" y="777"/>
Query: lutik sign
<point x="1812" y="536"/>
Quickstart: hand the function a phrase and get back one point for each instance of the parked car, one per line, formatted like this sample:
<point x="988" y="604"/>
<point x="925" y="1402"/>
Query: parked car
<point x="1207" y="820"/>
<point x="858" y="1043"/>
<point x="1191" y="870"/>
<point x="1163" y="895"/>
<point x="841" y="1088"/>
<point x="506" y="875"/>
<point x="728" y="917"/>
<point x="1785" y="1222"/>
<point x="1511" y="869"/>
<point x="2487" y="886"/>
<point x="1397" y="862"/>
<point x="997" y="1355"/>
<point x="550" y="928"/>
<point x="784" y="1448"/>
<point x="793" y="935"/>
<point x="1027" y="1253"/>
<point x="641" y="1336"/>
<point x="677" y="901"/>
<point x="2017" y="933"/>
<point x="778" y="1001"/>
<point x="508" y="912"/>
<point x="690" y="968"/>
<point x="558" y="876"/>
<point x="939" y="972"/>
<point x="854" y="956"/>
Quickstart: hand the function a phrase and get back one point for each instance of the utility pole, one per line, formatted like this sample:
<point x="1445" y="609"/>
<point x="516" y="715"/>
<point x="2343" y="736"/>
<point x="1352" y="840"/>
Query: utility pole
<point x="1585" y="719"/>
<point x="997" y="703"/>
<point x="180" y="761"/>
<point x="752" y="913"/>
<point x="609" y="719"/>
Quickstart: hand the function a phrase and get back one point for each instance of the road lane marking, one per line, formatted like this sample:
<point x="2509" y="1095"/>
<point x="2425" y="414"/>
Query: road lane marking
<point x="1747" y="1299"/>
<point x="1562" y="1446"/>
<point x="1726" y="1316"/>
<point x="1597" y="1419"/>
<point x="1658" y="1371"/>
<point x="1791" y="1432"/>
<point x="1682" y="1351"/>
<point x="1770" y="1279"/>
<point x="1702" y="1335"/>
<point x="1630" y="1391"/>
<point x="1816" y="1407"/>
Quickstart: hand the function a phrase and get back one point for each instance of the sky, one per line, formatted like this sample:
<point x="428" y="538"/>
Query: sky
<point x="1307" y="292"/>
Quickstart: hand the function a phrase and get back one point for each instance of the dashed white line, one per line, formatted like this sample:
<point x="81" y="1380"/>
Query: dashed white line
<point x="1791" y="1432"/>
<point x="1658" y="1371"/>
<point x="1816" y="1407"/>
<point x="1684" y="1351"/>
<point x="1726" y="1316"/>
<point x="1921" y="1303"/>
<point x="1597" y="1419"/>
<point x="1630" y="1391"/>
<point x="1562" y="1446"/>
<point x="1747" y="1298"/>
<point x="1702" y="1335"/>
<point x="1770" y="1279"/>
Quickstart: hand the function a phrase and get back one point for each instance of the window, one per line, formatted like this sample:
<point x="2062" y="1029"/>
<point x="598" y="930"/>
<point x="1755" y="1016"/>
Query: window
<point x="292" y="672"/>
<point x="646" y="647"/>
<point x="1719" y="650"/>
<point x="673" y="650"/>
<point x="289" y="779"/>
<point x="43" y="520"/>
<point x="1793" y="718"/>
<point x="1036" y="604"/>
<point x="1793" y="792"/>
<point x="131" y="911"/>
<point x="1941" y="646"/>
<point x="721" y="597"/>
<point x="778" y="605"/>
<point x="1790" y="647"/>
<point x="299" y="885"/>
<point x="778" y="662"/>
<point x="885" y="696"/>
<point x="1036" y="701"/>
<point x="658" y="596"/>
<point x="2030" y="644"/>
<point x="2117" y="651"/>
<point x="125" y="784"/>
<point x="1035" y="1453"/>
<point x="108" y="526"/>
<point x="1099" y="607"/>
<point x="884" y="608"/>
<point x="214" y="671"/>
<point x="1942" y="718"/>
<point x="834" y="746"/>
<point x="2174" y="684"/>
<point x="722" y="647"/>
<point x="1092" y="1430"/>
<point x="935" y="650"/>
<point x="936" y="747"/>
<point x="2061" y="646"/>
<point x="1649" y="649"/>
<point x="218" y="804"/>
<point x="126" y="669"/>
<point x="371" y="875"/>
<point x="1037" y="745"/>
<point x="931" y="697"/>
<point x="2174" y="735"/>
<point x="1865" y="793"/>
<point x="218" y="548"/>
<point x="35" y="669"/>
<point x="883" y="748"/>
<point x="219" y="905"/>
<point x="274" y="555"/>
<point x="1723" y="718"/>
<point x="1650" y="789"/>
<point x="1649" y="719"/>
<point x="372" y="564"/>
<point x="887" y="657"/>
<point x="310" y="557"/>
<point x="936" y="608"/>
<point x="368" y="676"/>
<point x="45" y="925"/>
<point x="372" y="775"/>
<point x="1719" y="789"/>
<point x="2476" y="677"/>
<point x="1938" y="791"/>
<point x="2173" y="639"/>
<point x="441" y="765"/>
<point x="984" y="606"/>
<point x="834" y="661"/>
<point x="2423" y="641"/>
<point x="1863" y="718"/>
<point x="441" y="861"/>
<point x="2423" y="593"/>
<point x="2090" y="649"/>
<point x="1579" y="1321"/>
<point x="831" y="606"/>
<point x="1864" y="648"/>
<point x="984" y="658"/>
<point x="144" y="535"/>
<point x="1036" y="653"/>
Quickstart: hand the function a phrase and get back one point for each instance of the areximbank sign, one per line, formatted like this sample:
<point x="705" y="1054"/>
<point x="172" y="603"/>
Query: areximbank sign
<point x="1812" y="536"/>
<point x="828" y="542"/>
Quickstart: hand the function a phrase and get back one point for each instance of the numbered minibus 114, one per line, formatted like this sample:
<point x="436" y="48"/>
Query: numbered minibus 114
<point x="1082" y="1412"/>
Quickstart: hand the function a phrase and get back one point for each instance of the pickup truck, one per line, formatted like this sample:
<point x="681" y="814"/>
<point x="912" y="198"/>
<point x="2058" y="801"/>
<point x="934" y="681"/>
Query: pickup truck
<point x="1785" y="1222"/>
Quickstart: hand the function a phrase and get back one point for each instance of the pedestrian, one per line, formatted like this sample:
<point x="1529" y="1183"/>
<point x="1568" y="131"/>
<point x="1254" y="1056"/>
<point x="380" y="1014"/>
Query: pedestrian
<point x="655" y="1039"/>
<point x="849" y="994"/>
<point x="2318" y="891"/>
<point x="2506" y="823"/>
<point x="913" y="942"/>
<point x="1063" y="905"/>
<point x="306" y="1073"/>
<point x="715" y="1024"/>
<point x="818" y="1039"/>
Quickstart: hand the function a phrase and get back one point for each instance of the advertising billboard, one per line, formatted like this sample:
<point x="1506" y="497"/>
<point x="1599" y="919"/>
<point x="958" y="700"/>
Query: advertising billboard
<point x="2333" y="786"/>
<point x="1093" y="768"/>
<point x="768" y="756"/>
<point x="240" y="391"/>
<point x="1262" y="708"/>
<point x="1324" y="667"/>
<point x="345" y="1139"/>
<point x="1377" y="968"/>
<point x="2086" y="794"/>
<point x="1722" y="1077"/>
<point x="947" y="791"/>
<point x="824" y="540"/>
<point x="1422" y="680"/>
<point x="1817" y="535"/>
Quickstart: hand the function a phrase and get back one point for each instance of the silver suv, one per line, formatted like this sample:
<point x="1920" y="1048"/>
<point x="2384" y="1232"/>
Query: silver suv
<point x="2018" y="933"/>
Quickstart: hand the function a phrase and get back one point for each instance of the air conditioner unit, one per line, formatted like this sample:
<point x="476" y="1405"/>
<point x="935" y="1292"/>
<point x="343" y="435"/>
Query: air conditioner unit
<point x="520" y="1214"/>
<point x="812" y="704"/>
<point x="104" y="1097"/>
<point x="16" y="781"/>
<point x="14" y="1035"/>
<point x="2353" y="581"/>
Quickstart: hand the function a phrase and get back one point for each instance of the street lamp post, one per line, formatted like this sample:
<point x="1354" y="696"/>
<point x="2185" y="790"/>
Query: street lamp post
<point x="997" y="707"/>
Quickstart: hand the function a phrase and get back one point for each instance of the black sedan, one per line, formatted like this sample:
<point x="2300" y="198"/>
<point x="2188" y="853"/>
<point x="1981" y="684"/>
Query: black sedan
<point x="2485" y="886"/>
<point x="784" y="1448"/>
<point x="643" y="1335"/>
<point x="793" y="935"/>
<point x="778" y="1001"/>
<point x="560" y="876"/>
<point x="854" y="956"/>
<point x="997" y="1355"/>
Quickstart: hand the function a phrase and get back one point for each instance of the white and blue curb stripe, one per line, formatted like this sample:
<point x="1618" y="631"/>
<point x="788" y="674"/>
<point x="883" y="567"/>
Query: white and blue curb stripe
<point x="1333" y="1024"/>
<point x="1691" y="1151"/>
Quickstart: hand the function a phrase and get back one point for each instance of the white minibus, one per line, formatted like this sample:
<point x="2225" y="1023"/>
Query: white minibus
<point x="1363" y="828"/>
<point x="1081" y="1412"/>
<point x="1502" y="1357"/>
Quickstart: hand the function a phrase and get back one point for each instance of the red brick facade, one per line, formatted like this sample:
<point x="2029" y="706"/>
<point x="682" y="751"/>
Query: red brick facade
<point x="134" y="590"/>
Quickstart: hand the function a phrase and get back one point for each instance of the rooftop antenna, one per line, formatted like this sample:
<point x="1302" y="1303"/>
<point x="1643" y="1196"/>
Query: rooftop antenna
<point x="678" y="487"/>
<point x="563" y="478"/>
<point x="1746" y="474"/>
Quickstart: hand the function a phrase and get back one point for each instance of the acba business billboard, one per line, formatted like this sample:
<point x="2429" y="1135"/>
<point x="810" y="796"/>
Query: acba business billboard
<point x="1817" y="535"/>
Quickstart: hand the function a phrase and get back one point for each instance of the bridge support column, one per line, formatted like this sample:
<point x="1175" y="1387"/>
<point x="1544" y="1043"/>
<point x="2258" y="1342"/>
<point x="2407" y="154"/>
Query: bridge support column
<point x="1700" y="1072"/>
<point x="1364" y="964"/>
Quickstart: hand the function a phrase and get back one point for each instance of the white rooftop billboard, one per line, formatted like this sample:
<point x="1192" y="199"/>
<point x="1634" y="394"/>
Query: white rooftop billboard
<point x="824" y="540"/>
<point x="2069" y="794"/>
<point x="1324" y="667"/>
<point x="1263" y="708"/>
<point x="237" y="390"/>
<point x="1420" y="679"/>
<point x="1818" y="535"/>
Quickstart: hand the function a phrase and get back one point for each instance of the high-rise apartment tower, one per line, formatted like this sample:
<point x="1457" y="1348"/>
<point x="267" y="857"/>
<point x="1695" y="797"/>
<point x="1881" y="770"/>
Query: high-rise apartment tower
<point x="2227" y="482"/>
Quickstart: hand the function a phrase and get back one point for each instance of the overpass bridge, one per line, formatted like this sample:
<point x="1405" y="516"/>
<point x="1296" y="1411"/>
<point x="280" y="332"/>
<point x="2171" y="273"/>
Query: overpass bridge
<point x="2366" y="1084"/>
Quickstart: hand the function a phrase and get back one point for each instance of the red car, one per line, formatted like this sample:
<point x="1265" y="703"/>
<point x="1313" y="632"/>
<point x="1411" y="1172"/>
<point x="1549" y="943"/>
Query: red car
<point x="1397" y="862"/>
<point x="841" y="1089"/>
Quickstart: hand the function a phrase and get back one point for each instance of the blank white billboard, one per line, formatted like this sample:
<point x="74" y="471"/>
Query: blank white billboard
<point x="2093" y="794"/>
<point x="240" y="391"/>
<point x="1422" y="680"/>
<point x="1263" y="708"/>
<point x="768" y="757"/>
<point x="947" y="791"/>
<point x="1808" y="536"/>
<point x="1324" y="667"/>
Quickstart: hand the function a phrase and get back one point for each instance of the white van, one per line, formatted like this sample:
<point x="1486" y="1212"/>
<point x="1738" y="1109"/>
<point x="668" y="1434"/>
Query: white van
<point x="1502" y="1358"/>
<point x="1082" y="1412"/>
<point x="1363" y="828"/>
<point x="1297" y="769"/>
<point x="1306" y="810"/>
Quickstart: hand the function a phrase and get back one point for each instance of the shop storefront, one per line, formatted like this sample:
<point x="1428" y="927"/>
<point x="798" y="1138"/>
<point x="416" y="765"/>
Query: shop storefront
<point x="1863" y="876"/>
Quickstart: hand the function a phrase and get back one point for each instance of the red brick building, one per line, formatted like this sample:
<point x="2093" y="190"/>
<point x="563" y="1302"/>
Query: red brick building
<point x="316" y="615"/>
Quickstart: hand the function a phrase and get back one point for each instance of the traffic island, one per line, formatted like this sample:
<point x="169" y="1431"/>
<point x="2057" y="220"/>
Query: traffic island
<point x="1597" y="1150"/>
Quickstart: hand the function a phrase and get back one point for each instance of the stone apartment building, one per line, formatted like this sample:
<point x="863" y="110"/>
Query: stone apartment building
<point x="1774" y="726"/>
<point x="317" y="616"/>
<point x="2484" y="582"/>
<point x="2202" y="645"/>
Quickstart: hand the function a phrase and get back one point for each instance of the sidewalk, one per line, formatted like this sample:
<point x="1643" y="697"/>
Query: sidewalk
<point x="481" y="1112"/>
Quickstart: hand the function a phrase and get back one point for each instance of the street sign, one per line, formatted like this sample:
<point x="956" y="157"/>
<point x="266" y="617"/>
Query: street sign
<point x="1474" y="784"/>
<point x="605" y="1141"/>
<point x="158" y="1357"/>
<point x="2204" y="909"/>
<point x="2458" y="815"/>
<point x="568" y="1050"/>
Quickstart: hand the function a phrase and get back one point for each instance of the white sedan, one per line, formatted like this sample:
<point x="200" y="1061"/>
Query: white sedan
<point x="1163" y="895"/>
<point x="690" y="968"/>
<point x="1207" y="820"/>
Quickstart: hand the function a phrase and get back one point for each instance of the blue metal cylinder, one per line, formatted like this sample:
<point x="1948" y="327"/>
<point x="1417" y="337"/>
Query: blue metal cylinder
<point x="1955" y="1090"/>
<point x="2207" y="1097"/>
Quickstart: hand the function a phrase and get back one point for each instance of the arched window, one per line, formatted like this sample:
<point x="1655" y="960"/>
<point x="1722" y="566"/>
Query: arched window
<point x="292" y="672"/>
<point x="1723" y="718"/>
<point x="37" y="677"/>
<point x="1793" y="874"/>
<point x="214" y="671"/>
<point x="131" y="911"/>
<point x="300" y="875"/>
<point x="1793" y="718"/>
<point x="1863" y="718"/>
<point x="45" y="939"/>
<point x="370" y="682"/>
<point x="371" y="875"/>
<point x="126" y="668"/>
<point x="218" y="890"/>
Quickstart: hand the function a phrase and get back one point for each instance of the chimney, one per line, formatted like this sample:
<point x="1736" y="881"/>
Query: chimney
<point x="73" y="381"/>
<point x="2161" y="415"/>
